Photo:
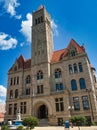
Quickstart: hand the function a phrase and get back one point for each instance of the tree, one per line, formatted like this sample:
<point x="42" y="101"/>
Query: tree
<point x="30" y="122"/>
<point x="78" y="120"/>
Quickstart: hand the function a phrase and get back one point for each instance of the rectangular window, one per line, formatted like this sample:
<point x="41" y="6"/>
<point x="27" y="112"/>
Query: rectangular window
<point x="39" y="89"/>
<point x="85" y="102"/>
<point x="59" y="104"/>
<point x="11" y="81"/>
<point x="23" y="107"/>
<point x="10" y="109"/>
<point x="76" y="103"/>
<point x="80" y="67"/>
<point x="59" y="86"/>
<point x="15" y="108"/>
<point x="17" y="80"/>
<point x="70" y="69"/>
<point x="14" y="80"/>
<point x="60" y="121"/>
<point x="75" y="68"/>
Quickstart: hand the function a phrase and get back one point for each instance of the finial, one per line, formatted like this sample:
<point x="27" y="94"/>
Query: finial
<point x="40" y="7"/>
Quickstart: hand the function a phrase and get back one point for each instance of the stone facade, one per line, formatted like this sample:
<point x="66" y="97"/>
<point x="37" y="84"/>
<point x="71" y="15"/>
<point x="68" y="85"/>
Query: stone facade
<point x="52" y="85"/>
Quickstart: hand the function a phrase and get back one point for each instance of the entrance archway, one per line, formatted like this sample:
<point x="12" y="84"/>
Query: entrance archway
<point x="42" y="112"/>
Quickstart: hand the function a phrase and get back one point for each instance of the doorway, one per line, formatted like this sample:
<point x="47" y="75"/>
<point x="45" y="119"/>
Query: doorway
<point x="42" y="112"/>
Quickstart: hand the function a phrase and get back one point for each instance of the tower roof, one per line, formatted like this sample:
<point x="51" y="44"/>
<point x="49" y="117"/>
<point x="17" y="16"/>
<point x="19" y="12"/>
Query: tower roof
<point x="40" y="7"/>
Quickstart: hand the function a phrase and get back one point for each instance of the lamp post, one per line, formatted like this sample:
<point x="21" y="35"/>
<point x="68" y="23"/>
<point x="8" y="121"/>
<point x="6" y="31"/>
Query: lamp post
<point x="70" y="108"/>
<point x="89" y="91"/>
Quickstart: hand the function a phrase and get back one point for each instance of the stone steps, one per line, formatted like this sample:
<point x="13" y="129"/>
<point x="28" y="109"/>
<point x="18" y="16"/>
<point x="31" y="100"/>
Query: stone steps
<point x="43" y="122"/>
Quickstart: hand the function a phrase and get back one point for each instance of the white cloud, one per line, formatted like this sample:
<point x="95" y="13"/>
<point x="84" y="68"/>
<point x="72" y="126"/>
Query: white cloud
<point x="2" y="98"/>
<point x="7" y="42"/>
<point x="54" y="28"/>
<point x="26" y="27"/>
<point x="22" y="44"/>
<point x="18" y="16"/>
<point x="2" y="91"/>
<point x="2" y="101"/>
<point x="10" y="7"/>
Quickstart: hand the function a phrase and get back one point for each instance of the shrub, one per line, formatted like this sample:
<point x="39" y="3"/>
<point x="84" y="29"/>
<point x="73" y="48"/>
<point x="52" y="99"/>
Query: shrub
<point x="78" y="120"/>
<point x="30" y="122"/>
<point x="4" y="127"/>
<point x="93" y="123"/>
<point x="20" y="127"/>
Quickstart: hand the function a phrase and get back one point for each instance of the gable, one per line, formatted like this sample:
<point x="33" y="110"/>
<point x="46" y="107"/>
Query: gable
<point x="21" y="63"/>
<point x="72" y="49"/>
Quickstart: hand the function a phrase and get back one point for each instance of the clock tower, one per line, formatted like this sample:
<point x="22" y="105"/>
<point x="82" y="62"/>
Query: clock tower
<point x="42" y="43"/>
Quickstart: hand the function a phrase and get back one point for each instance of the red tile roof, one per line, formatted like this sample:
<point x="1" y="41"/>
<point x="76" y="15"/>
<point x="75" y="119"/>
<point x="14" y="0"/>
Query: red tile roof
<point x="27" y="64"/>
<point x="58" y="55"/>
<point x="79" y="48"/>
<point x="22" y="63"/>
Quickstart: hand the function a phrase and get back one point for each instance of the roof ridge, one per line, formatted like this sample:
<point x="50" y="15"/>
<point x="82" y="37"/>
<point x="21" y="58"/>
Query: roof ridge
<point x="60" y="50"/>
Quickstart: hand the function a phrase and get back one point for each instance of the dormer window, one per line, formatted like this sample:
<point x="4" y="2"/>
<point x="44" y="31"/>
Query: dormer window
<point x="73" y="53"/>
<point x="15" y="68"/>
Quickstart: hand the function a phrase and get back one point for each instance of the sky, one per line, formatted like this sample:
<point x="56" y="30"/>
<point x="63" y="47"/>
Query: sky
<point x="75" y="19"/>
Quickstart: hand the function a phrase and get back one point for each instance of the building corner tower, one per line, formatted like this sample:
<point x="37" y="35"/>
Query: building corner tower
<point x="42" y="50"/>
<point x="42" y="43"/>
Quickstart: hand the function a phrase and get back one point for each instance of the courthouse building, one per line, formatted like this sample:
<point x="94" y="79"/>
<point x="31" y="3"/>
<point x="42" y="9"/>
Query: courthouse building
<point x="52" y="85"/>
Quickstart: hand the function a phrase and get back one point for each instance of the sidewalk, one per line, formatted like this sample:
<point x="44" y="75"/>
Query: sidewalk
<point x="62" y="128"/>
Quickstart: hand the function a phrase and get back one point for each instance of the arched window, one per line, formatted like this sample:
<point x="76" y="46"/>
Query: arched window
<point x="70" y="69"/>
<point x="58" y="73"/>
<point x="75" y="68"/>
<point x="16" y="93"/>
<point x="80" y="67"/>
<point x="39" y="75"/>
<point x="11" y="94"/>
<point x="73" y="85"/>
<point x="28" y="79"/>
<point x="82" y="83"/>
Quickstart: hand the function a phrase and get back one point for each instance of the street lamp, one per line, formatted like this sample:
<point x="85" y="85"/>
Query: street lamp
<point x="89" y="91"/>
<point x="70" y="108"/>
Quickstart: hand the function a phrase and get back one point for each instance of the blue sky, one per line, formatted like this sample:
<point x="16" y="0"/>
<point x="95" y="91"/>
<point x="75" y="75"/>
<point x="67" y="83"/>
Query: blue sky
<point x="75" y="19"/>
